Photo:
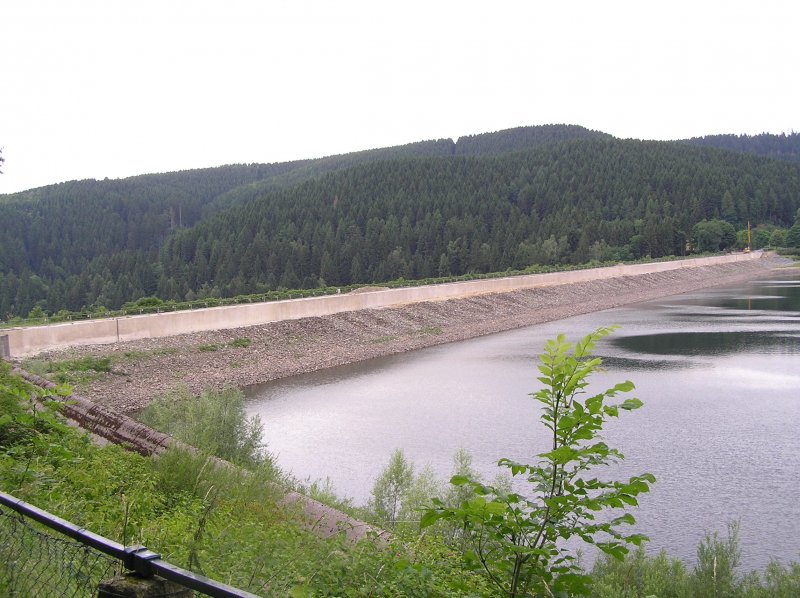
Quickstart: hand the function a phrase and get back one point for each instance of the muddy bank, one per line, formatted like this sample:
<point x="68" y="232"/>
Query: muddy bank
<point x="147" y="368"/>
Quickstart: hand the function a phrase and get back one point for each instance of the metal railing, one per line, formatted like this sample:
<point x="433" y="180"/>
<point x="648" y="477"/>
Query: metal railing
<point x="41" y="564"/>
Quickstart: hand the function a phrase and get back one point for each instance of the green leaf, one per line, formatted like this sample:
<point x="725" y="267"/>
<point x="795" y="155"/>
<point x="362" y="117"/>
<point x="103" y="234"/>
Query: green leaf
<point x="402" y="565"/>
<point x="496" y="508"/>
<point x="631" y="404"/>
<point x="620" y="552"/>
<point x="627" y="518"/>
<point x="594" y="404"/>
<point x="626" y="386"/>
<point x="637" y="539"/>
<point x="637" y="486"/>
<point x="561" y="455"/>
<point x="459" y="480"/>
<point x="429" y="518"/>
<point x="566" y="421"/>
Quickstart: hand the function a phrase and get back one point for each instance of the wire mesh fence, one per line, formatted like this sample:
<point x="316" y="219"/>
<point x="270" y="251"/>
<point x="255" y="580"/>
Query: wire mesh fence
<point x="35" y="563"/>
<point x="42" y="555"/>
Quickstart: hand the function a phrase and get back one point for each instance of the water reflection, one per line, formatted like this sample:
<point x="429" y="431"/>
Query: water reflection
<point x="629" y="363"/>
<point x="760" y="303"/>
<point x="711" y="343"/>
<point x="719" y="372"/>
<point x="780" y="295"/>
<point x="743" y="317"/>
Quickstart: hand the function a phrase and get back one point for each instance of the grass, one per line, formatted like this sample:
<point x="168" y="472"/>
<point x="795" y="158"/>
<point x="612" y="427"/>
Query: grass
<point x="164" y="351"/>
<point x="71" y="371"/>
<point x="241" y="342"/>
<point x="227" y="523"/>
<point x="432" y="330"/>
<point x="383" y="339"/>
<point x="134" y="355"/>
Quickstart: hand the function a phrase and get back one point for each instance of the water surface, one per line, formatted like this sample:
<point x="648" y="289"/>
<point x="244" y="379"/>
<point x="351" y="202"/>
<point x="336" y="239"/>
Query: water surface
<point x="718" y="370"/>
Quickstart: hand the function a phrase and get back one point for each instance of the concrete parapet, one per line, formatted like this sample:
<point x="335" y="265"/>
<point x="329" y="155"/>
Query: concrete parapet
<point x="35" y="339"/>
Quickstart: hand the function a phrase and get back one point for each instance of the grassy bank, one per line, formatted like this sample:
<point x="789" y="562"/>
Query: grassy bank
<point x="230" y="524"/>
<point x="227" y="524"/>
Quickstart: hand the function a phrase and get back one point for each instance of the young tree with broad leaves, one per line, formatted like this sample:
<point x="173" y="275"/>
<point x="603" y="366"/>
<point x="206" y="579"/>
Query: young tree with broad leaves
<point x="519" y="539"/>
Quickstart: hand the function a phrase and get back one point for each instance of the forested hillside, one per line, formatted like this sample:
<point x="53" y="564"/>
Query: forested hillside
<point x="485" y="144"/>
<point x="566" y="203"/>
<point x="782" y="147"/>
<point x="546" y="195"/>
<point x="522" y="138"/>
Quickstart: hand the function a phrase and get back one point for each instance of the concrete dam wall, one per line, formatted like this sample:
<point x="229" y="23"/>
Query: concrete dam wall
<point x="24" y="341"/>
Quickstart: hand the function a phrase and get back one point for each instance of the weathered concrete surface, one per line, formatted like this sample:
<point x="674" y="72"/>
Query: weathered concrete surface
<point x="31" y="340"/>
<point x="131" y="585"/>
<point x="106" y="422"/>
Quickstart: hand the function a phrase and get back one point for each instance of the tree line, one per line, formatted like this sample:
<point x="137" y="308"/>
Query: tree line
<point x="782" y="147"/>
<point x="568" y="203"/>
<point x="533" y="195"/>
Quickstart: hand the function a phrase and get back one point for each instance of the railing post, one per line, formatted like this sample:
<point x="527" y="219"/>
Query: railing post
<point x="132" y="585"/>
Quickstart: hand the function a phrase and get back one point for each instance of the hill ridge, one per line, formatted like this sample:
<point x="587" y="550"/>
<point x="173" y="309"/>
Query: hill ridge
<point x="542" y="194"/>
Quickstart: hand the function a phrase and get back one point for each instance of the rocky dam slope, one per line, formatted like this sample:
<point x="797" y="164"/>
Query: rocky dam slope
<point x="144" y="369"/>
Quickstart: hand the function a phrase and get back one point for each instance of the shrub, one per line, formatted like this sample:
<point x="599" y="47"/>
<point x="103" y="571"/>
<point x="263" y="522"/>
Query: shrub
<point x="213" y="422"/>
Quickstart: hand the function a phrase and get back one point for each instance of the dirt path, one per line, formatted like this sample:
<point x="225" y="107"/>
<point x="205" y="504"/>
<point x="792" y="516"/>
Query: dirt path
<point x="240" y="357"/>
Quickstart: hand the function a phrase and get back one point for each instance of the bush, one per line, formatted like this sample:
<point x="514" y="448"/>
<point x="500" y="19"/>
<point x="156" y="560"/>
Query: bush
<point x="213" y="422"/>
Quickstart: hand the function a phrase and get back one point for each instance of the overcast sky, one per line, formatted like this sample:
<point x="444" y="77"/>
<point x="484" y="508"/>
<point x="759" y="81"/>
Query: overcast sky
<point x="95" y="89"/>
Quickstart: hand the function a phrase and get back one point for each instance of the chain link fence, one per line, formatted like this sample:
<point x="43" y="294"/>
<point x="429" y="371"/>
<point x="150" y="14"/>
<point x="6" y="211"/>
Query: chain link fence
<point x="34" y="563"/>
<point x="42" y="555"/>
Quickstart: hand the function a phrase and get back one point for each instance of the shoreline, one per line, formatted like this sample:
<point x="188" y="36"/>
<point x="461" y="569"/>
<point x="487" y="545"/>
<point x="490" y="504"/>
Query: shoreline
<point x="242" y="357"/>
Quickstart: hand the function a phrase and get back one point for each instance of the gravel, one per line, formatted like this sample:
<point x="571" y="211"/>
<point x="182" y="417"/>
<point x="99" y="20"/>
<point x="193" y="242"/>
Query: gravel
<point x="240" y="357"/>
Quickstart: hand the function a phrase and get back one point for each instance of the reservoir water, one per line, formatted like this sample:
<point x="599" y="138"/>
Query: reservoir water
<point x="718" y="371"/>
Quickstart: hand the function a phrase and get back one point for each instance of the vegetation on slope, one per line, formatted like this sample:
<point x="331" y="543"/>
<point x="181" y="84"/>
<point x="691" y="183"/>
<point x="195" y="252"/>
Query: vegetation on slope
<point x="533" y="195"/>
<point x="569" y="203"/>
<point x="230" y="524"/>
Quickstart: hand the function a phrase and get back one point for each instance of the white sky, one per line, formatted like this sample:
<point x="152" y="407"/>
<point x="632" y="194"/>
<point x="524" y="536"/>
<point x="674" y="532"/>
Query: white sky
<point x="107" y="88"/>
